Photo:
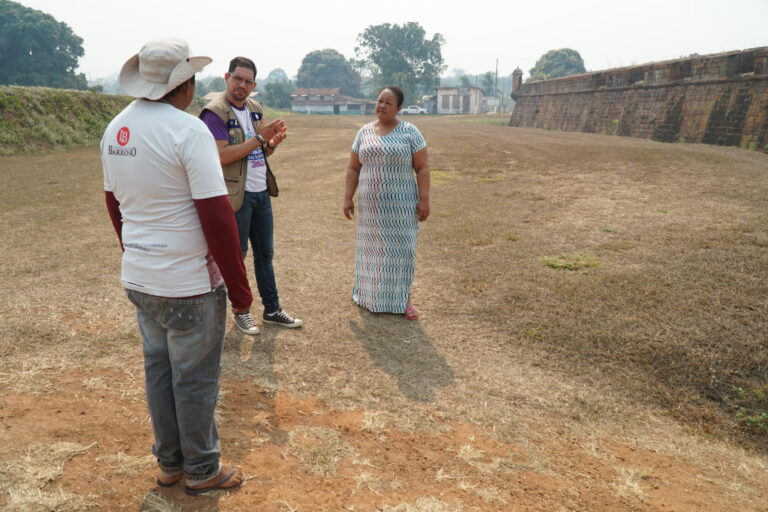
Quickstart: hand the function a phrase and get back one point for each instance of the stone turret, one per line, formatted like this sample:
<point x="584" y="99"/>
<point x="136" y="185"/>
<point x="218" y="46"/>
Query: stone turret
<point x="517" y="82"/>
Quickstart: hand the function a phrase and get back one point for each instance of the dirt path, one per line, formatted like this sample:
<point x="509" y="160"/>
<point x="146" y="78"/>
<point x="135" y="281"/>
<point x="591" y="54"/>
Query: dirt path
<point x="507" y="395"/>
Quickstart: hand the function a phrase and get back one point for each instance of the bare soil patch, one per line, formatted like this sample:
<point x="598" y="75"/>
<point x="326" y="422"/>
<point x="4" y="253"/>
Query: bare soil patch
<point x="636" y="382"/>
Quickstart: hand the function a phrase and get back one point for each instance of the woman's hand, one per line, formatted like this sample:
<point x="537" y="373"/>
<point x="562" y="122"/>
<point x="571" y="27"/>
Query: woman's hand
<point x="350" y="184"/>
<point x="422" y="209"/>
<point x="349" y="208"/>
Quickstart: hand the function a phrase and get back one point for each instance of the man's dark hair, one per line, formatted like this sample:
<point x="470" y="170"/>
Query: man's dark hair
<point x="177" y="89"/>
<point x="398" y="92"/>
<point x="242" y="62"/>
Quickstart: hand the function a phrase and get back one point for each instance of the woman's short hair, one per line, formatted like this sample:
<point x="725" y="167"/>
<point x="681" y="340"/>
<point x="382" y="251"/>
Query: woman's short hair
<point x="398" y="92"/>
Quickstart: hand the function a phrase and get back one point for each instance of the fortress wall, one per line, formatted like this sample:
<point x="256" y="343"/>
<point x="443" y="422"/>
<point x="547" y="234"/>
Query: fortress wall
<point x="714" y="99"/>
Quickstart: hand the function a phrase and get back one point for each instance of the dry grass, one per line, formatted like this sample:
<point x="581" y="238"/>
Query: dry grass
<point x="34" y="500"/>
<point x="40" y="465"/>
<point x="663" y="340"/>
<point x="154" y="502"/>
<point x="127" y="465"/>
<point x="630" y="483"/>
<point x="426" y="504"/>
<point x="318" y="449"/>
<point x="23" y="480"/>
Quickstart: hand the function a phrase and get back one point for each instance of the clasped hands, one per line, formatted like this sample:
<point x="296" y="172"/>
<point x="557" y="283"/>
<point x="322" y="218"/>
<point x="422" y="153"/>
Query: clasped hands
<point x="274" y="132"/>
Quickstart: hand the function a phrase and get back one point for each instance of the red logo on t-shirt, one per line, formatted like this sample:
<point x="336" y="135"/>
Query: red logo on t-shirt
<point x="123" y="135"/>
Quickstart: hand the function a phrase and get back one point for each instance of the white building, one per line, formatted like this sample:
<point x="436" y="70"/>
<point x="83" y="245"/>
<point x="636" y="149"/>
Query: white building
<point x="460" y="100"/>
<point x="329" y="101"/>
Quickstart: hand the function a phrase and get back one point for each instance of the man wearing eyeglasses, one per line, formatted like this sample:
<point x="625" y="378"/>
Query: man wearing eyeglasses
<point x="244" y="142"/>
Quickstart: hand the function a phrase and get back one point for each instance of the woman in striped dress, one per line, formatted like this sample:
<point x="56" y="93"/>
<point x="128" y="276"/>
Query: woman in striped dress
<point x="389" y="169"/>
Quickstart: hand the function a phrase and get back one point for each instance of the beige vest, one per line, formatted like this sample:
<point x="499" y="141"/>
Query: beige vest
<point x="236" y="173"/>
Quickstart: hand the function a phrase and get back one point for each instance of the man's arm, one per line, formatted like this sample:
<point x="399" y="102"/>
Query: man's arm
<point x="220" y="230"/>
<point x="274" y="131"/>
<point x="113" y="207"/>
<point x="229" y="153"/>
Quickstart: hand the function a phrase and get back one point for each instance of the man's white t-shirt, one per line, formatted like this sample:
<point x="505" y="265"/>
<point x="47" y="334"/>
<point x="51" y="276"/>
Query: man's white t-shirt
<point x="156" y="160"/>
<point x="257" y="168"/>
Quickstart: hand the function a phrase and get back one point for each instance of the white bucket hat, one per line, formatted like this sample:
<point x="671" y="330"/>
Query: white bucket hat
<point x="160" y="66"/>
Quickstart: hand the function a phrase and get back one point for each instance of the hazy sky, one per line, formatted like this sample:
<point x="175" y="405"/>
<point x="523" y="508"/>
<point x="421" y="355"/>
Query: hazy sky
<point x="607" y="33"/>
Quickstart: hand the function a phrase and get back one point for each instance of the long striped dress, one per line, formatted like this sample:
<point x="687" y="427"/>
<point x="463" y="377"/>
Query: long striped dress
<point x="385" y="253"/>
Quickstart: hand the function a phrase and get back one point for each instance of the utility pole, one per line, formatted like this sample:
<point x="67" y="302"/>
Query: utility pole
<point x="496" y="87"/>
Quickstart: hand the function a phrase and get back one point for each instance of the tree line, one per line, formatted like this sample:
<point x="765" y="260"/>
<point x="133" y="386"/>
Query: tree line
<point x="36" y="49"/>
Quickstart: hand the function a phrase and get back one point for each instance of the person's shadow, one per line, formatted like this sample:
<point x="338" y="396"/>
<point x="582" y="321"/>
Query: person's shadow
<point x="400" y="348"/>
<point x="251" y="357"/>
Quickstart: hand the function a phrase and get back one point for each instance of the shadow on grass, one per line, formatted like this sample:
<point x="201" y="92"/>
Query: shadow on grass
<point x="400" y="348"/>
<point x="251" y="357"/>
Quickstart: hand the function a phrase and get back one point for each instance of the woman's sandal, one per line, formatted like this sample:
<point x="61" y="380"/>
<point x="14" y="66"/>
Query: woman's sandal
<point x="411" y="313"/>
<point x="228" y="478"/>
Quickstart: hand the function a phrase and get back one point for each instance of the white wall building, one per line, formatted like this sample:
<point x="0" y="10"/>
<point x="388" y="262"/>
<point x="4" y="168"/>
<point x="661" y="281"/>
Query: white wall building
<point x="460" y="100"/>
<point x="328" y="101"/>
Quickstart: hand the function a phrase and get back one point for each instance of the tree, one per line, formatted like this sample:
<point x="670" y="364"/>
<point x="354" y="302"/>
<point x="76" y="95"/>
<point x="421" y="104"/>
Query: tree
<point x="557" y="63"/>
<point x="210" y="84"/>
<point x="276" y="75"/>
<point x="35" y="49"/>
<point x="401" y="55"/>
<point x="278" y="94"/>
<point x="328" y="68"/>
<point x="217" y="84"/>
<point x="108" y="84"/>
<point x="488" y="83"/>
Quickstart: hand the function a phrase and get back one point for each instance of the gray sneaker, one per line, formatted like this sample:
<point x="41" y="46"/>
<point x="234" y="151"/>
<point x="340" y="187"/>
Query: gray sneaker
<point x="244" y="322"/>
<point x="282" y="318"/>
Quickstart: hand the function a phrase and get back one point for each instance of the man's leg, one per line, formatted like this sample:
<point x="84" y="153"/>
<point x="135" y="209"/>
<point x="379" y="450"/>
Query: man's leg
<point x="261" y="235"/>
<point x="183" y="340"/>
<point x="262" y="243"/>
<point x="158" y="383"/>
<point x="195" y="342"/>
<point x="244" y="321"/>
<point x="243" y="220"/>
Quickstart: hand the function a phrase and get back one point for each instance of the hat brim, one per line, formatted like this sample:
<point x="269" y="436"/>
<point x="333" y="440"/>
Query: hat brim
<point x="133" y="84"/>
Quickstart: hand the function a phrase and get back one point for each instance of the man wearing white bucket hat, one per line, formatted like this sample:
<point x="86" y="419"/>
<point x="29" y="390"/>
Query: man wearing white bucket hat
<point x="168" y="203"/>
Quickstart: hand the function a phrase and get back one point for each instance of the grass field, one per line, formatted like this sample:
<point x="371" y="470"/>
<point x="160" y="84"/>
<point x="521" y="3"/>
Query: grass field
<point x="594" y="336"/>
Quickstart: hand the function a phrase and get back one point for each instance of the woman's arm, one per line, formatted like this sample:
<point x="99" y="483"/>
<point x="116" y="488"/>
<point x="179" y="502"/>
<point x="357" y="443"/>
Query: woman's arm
<point x="421" y="167"/>
<point x="353" y="175"/>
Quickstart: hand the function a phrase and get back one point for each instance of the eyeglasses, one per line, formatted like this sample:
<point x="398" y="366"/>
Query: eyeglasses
<point x="240" y="80"/>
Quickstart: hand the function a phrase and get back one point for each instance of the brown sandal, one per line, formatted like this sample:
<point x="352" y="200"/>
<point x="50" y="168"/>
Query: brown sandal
<point x="168" y="479"/>
<point x="229" y="477"/>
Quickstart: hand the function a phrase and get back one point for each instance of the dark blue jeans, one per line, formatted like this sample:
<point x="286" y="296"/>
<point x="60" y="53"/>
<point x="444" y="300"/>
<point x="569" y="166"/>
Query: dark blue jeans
<point x="254" y="223"/>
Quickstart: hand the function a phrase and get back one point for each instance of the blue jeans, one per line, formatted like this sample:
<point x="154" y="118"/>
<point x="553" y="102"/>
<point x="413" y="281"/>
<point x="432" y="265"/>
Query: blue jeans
<point x="183" y="341"/>
<point x="254" y="223"/>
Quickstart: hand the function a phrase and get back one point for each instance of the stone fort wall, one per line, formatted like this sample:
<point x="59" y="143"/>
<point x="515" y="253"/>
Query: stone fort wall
<point x="713" y="99"/>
